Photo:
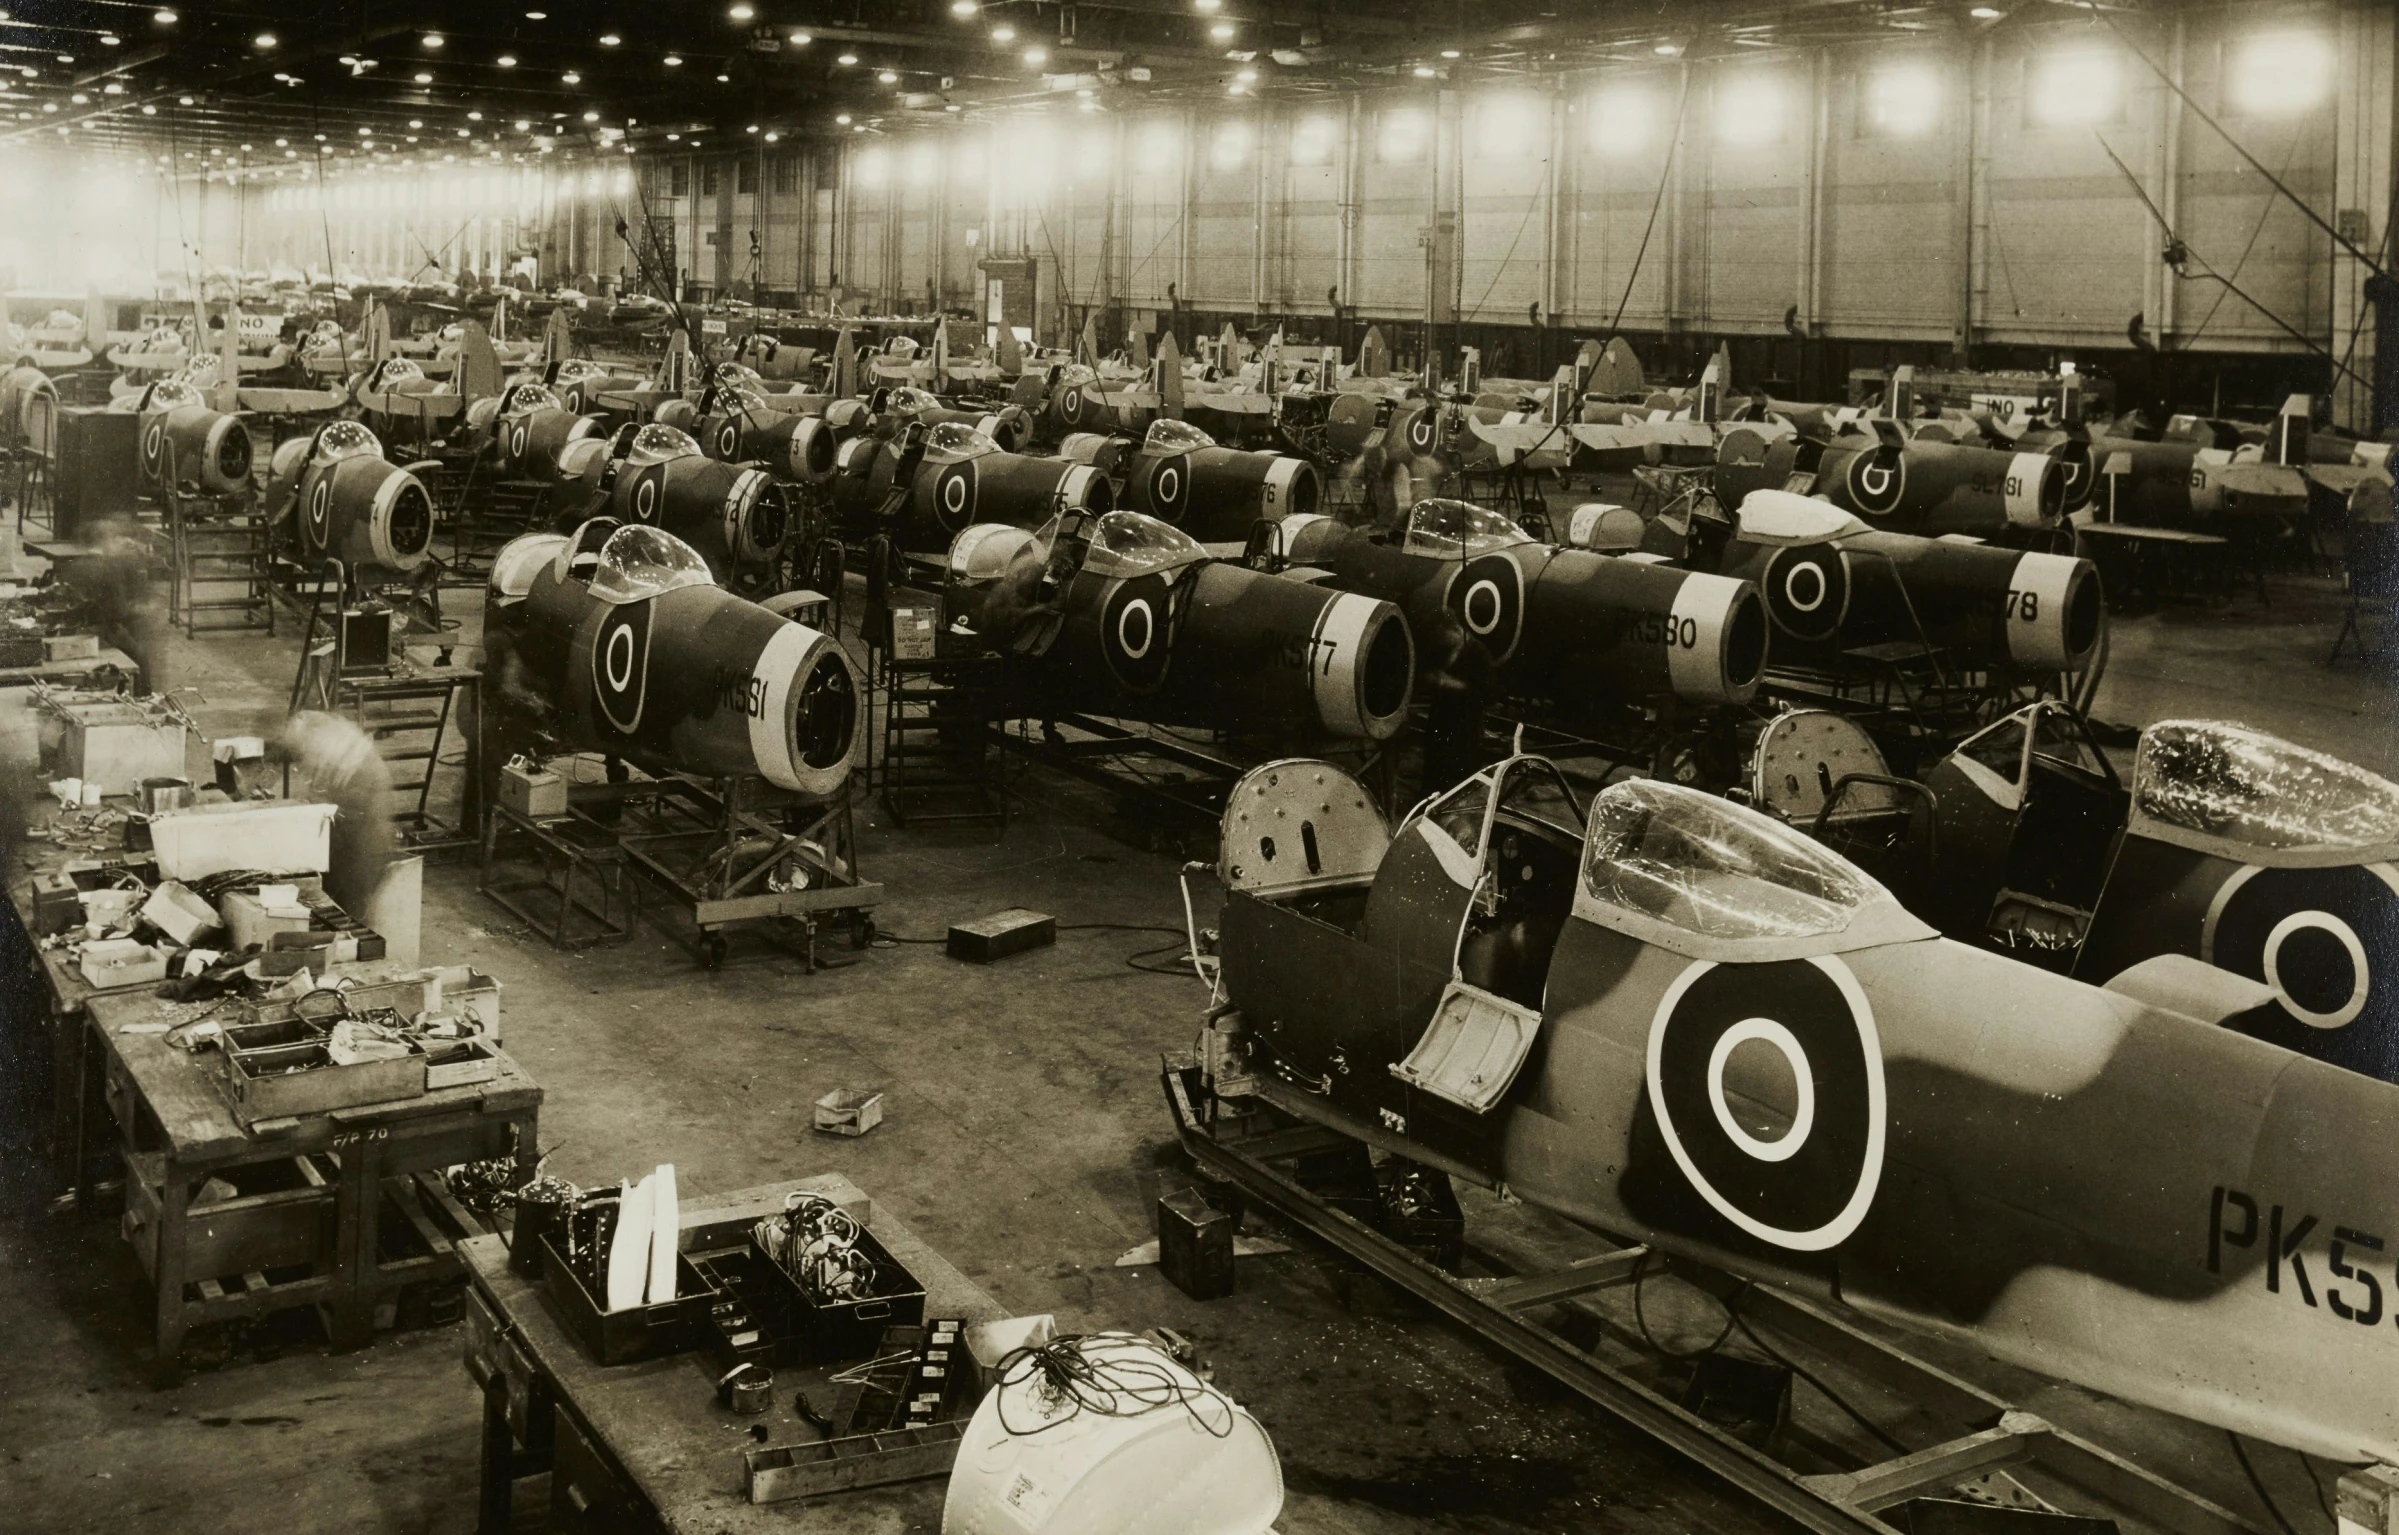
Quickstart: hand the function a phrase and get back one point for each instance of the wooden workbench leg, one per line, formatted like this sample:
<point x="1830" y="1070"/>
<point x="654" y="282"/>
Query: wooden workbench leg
<point x="498" y="1487"/>
<point x="87" y="1085"/>
<point x="361" y="1204"/>
<point x="174" y="1201"/>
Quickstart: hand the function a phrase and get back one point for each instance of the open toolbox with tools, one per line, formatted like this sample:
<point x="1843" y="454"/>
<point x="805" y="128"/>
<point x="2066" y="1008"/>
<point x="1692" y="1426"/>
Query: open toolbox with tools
<point x="808" y="1286"/>
<point x="333" y="1048"/>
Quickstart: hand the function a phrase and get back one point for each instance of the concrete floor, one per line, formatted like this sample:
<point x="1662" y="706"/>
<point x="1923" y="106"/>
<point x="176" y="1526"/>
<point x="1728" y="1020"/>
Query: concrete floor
<point x="1023" y="1138"/>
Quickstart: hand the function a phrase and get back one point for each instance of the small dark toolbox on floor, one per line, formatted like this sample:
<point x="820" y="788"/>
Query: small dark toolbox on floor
<point x="1001" y="934"/>
<point x="1195" y="1245"/>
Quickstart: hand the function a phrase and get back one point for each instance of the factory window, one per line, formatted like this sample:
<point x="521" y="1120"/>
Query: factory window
<point x="1509" y="127"/>
<point x="787" y="173"/>
<point x="2277" y="73"/>
<point x="707" y="178"/>
<point x="1622" y="119"/>
<point x="745" y="175"/>
<point x="1312" y="141"/>
<point x="2072" y="89"/>
<point x="1900" y="101"/>
<point x="1405" y="136"/>
<point x="1751" y="109"/>
<point x="678" y="180"/>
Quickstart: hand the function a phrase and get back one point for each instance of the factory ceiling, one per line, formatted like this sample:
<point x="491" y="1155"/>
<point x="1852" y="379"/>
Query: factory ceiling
<point x="518" y="78"/>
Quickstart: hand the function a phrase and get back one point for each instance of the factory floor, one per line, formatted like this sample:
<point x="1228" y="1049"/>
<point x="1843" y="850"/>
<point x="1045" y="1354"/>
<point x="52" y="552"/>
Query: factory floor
<point x="1023" y="1138"/>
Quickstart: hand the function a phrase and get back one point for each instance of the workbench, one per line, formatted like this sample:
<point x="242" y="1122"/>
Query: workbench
<point x="647" y="1447"/>
<point x="315" y="1234"/>
<point x="71" y="671"/>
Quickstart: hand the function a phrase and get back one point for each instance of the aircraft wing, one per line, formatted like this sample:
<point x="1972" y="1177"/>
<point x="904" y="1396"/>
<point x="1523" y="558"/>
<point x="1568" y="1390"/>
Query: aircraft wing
<point x="1602" y="437"/>
<point x="1243" y="404"/>
<point x="642" y="401"/>
<point x="294" y="402"/>
<point x="153" y="362"/>
<point x="1129" y="399"/>
<point x="1538" y="444"/>
<point x="424" y="407"/>
<point x="2345" y="478"/>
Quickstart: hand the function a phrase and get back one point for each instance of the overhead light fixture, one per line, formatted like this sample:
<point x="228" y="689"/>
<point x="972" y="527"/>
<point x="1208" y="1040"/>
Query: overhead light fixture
<point x="591" y="117"/>
<point x="1449" y="53"/>
<point x="523" y="124"/>
<point x="506" y="61"/>
<point x="753" y="128"/>
<point x="1425" y="71"/>
<point x="474" y="117"/>
<point x="740" y="12"/>
<point x="571" y="78"/>
<point x="847" y="59"/>
<point x="609" y="39"/>
<point x="416" y="122"/>
<point x="801" y="39"/>
<point x="1206" y="7"/>
<point x="843" y="119"/>
<point x="887" y="77"/>
<point x="965" y="9"/>
<point x="1037" y="56"/>
<point x="421" y="77"/>
<point x="112" y="89"/>
<point x="1666" y="50"/>
<point x="724" y="79"/>
<point x="674" y="61"/>
<point x="183" y="101"/>
<point x="149" y="111"/>
<point x="537" y="15"/>
<point x="431" y="40"/>
<point x="1986" y="13"/>
<point x="111" y="40"/>
<point x="674" y="138"/>
<point x="164" y="18"/>
<point x="80" y="99"/>
<point x="1003" y="33"/>
<point x="263" y="40"/>
<point x="772" y="137"/>
<point x="1222" y="32"/>
<point x="282" y="143"/>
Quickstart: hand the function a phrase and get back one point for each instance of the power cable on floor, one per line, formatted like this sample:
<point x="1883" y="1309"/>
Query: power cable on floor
<point x="2250" y="1472"/>
<point x="1827" y="1392"/>
<point x="1641" y="1318"/>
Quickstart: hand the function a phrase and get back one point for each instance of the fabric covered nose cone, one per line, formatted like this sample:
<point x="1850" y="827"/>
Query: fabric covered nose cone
<point x="806" y="729"/>
<point x="1368" y="673"/>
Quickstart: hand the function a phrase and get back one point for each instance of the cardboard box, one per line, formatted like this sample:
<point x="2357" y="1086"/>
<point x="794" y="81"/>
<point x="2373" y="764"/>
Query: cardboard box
<point x="848" y="1111"/>
<point x="537" y="795"/>
<point x="248" y="921"/>
<point x="273" y="836"/>
<point x="915" y="623"/>
<point x="117" y="745"/>
<point x="183" y="916"/>
<point x="71" y="647"/>
<point x="122" y="962"/>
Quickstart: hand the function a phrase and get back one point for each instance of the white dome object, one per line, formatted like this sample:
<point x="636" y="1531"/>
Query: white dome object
<point x="1780" y="517"/>
<point x="1175" y="1456"/>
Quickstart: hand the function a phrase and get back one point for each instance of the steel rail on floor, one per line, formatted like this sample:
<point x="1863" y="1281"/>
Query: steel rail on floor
<point x="1839" y="1503"/>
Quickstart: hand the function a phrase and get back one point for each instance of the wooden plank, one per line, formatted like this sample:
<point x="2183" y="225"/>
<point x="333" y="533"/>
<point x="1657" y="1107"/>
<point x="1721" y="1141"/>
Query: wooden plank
<point x="253" y="1281"/>
<point x="211" y="1290"/>
<point x="436" y="1188"/>
<point x="402" y="1192"/>
<point x="1885" y="1483"/>
<point x="1601" y="1271"/>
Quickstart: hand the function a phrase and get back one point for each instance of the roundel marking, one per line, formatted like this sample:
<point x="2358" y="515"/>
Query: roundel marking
<point x="645" y="496"/>
<point x="727" y="440"/>
<point x="1488" y="597"/>
<point x="1807" y="592"/>
<point x="1876" y="487"/>
<point x="154" y="442"/>
<point x="1137" y="630"/>
<point x="1072" y="404"/>
<point x="517" y="440"/>
<point x="1420" y="432"/>
<point x="954" y="495"/>
<point x="1169" y="480"/>
<point x="1806" y="1184"/>
<point x="320" y="512"/>
<point x="2311" y="935"/>
<point x="620" y="665"/>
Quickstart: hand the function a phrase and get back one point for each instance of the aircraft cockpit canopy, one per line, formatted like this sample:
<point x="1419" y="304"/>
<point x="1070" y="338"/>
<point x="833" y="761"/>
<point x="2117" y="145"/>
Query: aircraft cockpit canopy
<point x="1121" y="545"/>
<point x="1165" y="436"/>
<point x="1457" y="530"/>
<point x="343" y="439"/>
<point x="396" y="370"/>
<point x="2227" y="781"/>
<point x="639" y="562"/>
<point x="952" y="442"/>
<point x="171" y="394"/>
<point x="574" y="368"/>
<point x="657" y="443"/>
<point x="1716" y="870"/>
<point x="905" y="401"/>
<point x="524" y="399"/>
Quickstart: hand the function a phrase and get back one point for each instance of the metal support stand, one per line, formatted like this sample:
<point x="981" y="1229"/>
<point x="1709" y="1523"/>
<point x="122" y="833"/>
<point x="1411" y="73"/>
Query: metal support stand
<point x="737" y="851"/>
<point x="577" y="864"/>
